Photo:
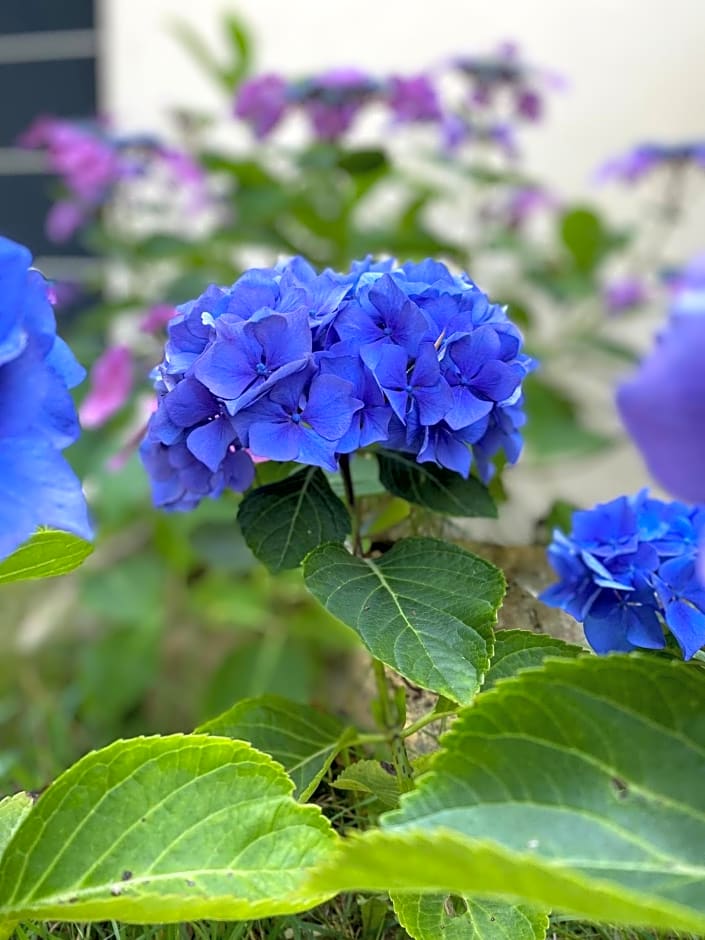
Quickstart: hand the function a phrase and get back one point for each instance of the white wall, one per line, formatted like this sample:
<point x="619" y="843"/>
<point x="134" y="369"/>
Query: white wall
<point x="636" y="67"/>
<point x="636" y="71"/>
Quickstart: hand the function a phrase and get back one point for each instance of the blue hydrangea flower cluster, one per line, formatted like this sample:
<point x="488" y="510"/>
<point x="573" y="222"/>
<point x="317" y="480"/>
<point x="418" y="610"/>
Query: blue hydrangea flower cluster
<point x="37" y="416"/>
<point x="292" y="365"/>
<point x="628" y="573"/>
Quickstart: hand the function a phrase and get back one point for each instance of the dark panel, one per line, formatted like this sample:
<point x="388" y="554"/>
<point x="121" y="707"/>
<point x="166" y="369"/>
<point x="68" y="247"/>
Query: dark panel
<point x="24" y="203"/>
<point x="65" y="88"/>
<point x="29" y="16"/>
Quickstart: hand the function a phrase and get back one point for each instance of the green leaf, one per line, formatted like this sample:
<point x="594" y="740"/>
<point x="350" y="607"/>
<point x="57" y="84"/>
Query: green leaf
<point x="13" y="810"/>
<point x="583" y="235"/>
<point x="553" y="427"/>
<point x="47" y="554"/>
<point x="576" y="786"/>
<point x="433" y="487"/>
<point x="283" y="521"/>
<point x="240" y="48"/>
<point x="165" y="830"/>
<point x="363" y="161"/>
<point x="454" y="917"/>
<point x="426" y="608"/>
<point x="304" y="740"/>
<point x="520" y="649"/>
<point x="369" y="776"/>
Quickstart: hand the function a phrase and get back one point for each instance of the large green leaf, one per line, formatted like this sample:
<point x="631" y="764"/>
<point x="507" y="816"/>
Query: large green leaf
<point x="577" y="786"/>
<point x="165" y="829"/>
<point x="426" y="608"/>
<point x="304" y="740"/>
<point x="519" y="649"/>
<point x="430" y="916"/>
<point x="433" y="487"/>
<point x="47" y="554"/>
<point x="283" y="521"/>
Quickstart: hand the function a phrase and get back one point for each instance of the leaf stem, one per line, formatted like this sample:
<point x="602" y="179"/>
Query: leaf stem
<point x="427" y="719"/>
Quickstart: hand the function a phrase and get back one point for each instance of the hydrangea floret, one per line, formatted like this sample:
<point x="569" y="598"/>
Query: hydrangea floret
<point x="37" y="416"/>
<point x="292" y="365"/>
<point x="91" y="162"/>
<point x="628" y="573"/>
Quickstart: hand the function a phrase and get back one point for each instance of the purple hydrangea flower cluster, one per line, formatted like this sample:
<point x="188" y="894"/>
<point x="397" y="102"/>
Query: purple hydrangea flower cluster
<point x="503" y="78"/>
<point x="334" y="99"/>
<point x="663" y="404"/>
<point x="292" y="365"/>
<point x="37" y="416"/>
<point x="644" y="159"/>
<point x="91" y="163"/>
<point x="628" y="573"/>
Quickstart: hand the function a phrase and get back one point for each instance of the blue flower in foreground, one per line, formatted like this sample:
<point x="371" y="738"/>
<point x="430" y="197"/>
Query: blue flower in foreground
<point x="290" y="364"/>
<point x="37" y="416"/>
<point x="628" y="573"/>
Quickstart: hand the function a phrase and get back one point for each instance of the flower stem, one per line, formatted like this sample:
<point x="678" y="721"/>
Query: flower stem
<point x="390" y="719"/>
<point x="353" y="505"/>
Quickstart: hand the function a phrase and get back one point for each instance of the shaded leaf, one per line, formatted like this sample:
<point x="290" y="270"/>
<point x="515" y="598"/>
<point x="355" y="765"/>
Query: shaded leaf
<point x="47" y="554"/>
<point x="434" y="487"/>
<point x="520" y="649"/>
<point x="426" y="608"/>
<point x="369" y="776"/>
<point x="427" y="917"/>
<point x="304" y="740"/>
<point x="164" y="830"/>
<point x="576" y="786"/>
<point x="283" y="521"/>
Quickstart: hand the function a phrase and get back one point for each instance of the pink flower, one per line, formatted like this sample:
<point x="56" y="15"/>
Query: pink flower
<point x="157" y="318"/>
<point x="111" y="381"/>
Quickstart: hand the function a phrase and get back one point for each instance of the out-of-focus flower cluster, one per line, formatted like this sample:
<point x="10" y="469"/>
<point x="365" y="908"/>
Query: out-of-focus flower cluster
<point x="496" y="90"/>
<point x="628" y="573"/>
<point x="291" y="365"/>
<point x="91" y="162"/>
<point x="644" y="159"/>
<point x="663" y="404"/>
<point x="37" y="416"/>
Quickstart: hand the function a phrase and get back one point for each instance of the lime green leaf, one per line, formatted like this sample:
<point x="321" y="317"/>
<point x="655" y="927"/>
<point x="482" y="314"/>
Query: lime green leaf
<point x="369" y="776"/>
<point x="283" y="521"/>
<point x="47" y="554"/>
<point x="433" y="487"/>
<point x="304" y="740"/>
<point x="576" y="786"/>
<point x="13" y="810"/>
<point x="164" y="830"/>
<point x="454" y="917"/>
<point x="519" y="649"/>
<point x="426" y="608"/>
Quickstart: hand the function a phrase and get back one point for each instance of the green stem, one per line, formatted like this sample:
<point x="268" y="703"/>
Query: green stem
<point x="427" y="719"/>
